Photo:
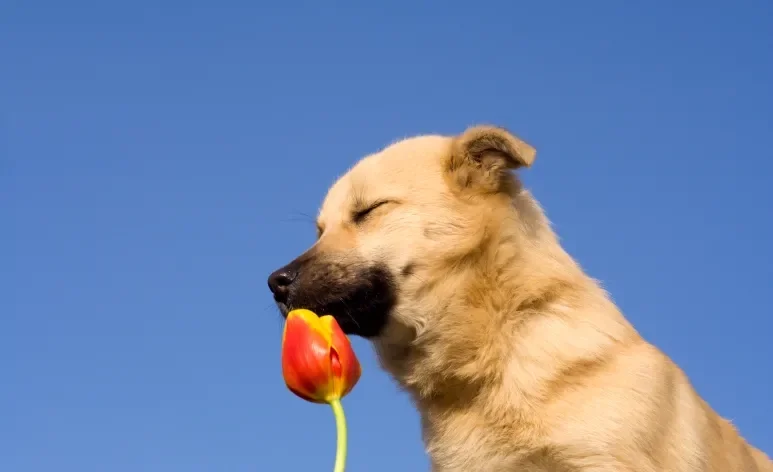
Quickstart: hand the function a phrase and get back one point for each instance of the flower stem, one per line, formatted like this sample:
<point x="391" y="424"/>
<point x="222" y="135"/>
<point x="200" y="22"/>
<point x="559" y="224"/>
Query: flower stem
<point x="338" y="411"/>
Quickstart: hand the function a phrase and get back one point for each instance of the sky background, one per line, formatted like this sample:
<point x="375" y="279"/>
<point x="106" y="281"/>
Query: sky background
<point x="158" y="159"/>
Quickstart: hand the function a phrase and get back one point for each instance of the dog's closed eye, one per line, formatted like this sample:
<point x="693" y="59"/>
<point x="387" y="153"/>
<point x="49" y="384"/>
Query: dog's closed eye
<point x="358" y="216"/>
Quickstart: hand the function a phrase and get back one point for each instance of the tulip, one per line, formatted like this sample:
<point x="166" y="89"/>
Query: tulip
<point x="319" y="366"/>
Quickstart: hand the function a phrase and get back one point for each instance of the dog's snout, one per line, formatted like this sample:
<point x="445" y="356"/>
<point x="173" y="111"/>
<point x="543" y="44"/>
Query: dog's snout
<point x="279" y="283"/>
<point x="282" y="281"/>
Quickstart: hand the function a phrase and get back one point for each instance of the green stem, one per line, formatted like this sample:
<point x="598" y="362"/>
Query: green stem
<point x="338" y="411"/>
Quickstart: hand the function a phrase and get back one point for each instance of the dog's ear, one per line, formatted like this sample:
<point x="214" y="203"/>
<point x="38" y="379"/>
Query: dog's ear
<point x="482" y="157"/>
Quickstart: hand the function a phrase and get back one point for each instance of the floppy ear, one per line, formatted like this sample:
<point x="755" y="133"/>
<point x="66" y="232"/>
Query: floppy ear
<point x="483" y="155"/>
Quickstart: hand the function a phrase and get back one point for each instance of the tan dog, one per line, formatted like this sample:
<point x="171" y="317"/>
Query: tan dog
<point x="516" y="359"/>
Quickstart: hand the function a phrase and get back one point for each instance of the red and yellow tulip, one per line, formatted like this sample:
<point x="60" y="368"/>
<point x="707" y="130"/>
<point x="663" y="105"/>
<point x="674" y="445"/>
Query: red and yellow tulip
<point x="319" y="366"/>
<point x="318" y="362"/>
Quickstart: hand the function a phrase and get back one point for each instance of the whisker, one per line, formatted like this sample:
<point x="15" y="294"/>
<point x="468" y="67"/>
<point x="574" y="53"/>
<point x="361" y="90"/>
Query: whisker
<point x="348" y="312"/>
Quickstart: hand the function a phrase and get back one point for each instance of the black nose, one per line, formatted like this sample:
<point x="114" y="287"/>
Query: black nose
<point x="279" y="283"/>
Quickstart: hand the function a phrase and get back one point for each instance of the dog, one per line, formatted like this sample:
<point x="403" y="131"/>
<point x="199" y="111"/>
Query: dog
<point x="514" y="357"/>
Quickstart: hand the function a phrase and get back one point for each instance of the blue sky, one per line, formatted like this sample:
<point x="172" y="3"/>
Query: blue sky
<point x="159" y="159"/>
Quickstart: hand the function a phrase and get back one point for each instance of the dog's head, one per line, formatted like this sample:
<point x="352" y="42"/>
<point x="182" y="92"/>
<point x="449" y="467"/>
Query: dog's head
<point x="387" y="227"/>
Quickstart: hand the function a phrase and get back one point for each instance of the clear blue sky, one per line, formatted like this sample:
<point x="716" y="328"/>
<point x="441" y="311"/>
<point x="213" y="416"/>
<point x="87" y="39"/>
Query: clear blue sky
<point x="158" y="159"/>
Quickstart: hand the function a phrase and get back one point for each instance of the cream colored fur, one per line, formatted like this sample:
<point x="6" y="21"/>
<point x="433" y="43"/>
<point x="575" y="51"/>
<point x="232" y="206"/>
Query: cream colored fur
<point x="514" y="357"/>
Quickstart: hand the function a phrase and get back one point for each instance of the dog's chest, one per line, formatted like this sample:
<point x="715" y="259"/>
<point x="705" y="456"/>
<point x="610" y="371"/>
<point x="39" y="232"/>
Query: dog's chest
<point x="475" y="449"/>
<point x="487" y="462"/>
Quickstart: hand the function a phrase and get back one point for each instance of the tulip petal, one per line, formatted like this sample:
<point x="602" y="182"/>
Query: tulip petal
<point x="345" y="367"/>
<point x="305" y="356"/>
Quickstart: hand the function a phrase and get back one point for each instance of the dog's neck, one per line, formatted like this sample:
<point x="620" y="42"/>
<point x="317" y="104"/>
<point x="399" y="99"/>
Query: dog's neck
<point x="485" y="340"/>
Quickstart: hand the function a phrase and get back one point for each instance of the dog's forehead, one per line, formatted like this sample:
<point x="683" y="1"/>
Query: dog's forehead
<point x="396" y="172"/>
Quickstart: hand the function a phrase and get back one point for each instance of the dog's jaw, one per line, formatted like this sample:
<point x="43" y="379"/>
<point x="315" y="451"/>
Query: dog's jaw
<point x="361" y="300"/>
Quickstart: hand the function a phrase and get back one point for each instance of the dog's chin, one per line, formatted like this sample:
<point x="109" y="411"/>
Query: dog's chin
<point x="361" y="308"/>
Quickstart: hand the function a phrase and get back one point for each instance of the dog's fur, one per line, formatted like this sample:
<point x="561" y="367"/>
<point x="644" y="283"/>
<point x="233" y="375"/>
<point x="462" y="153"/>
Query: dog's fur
<point x="515" y="358"/>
